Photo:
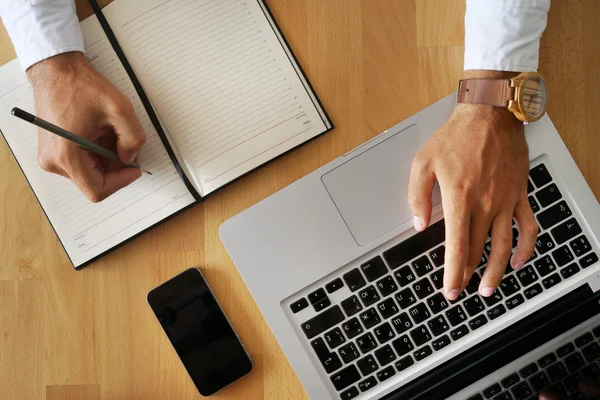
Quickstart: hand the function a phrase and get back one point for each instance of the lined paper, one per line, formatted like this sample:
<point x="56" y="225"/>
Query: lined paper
<point x="87" y="229"/>
<point x="220" y="80"/>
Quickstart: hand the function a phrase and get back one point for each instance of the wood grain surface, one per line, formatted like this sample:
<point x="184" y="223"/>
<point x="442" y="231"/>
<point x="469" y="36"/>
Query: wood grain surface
<point x="90" y="334"/>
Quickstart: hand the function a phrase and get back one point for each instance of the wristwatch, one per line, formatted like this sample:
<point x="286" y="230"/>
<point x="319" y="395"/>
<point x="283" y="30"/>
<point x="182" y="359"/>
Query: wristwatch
<point x="525" y="94"/>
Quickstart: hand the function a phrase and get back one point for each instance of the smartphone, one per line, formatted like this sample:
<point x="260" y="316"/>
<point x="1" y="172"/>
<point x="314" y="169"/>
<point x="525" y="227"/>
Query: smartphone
<point x="201" y="334"/>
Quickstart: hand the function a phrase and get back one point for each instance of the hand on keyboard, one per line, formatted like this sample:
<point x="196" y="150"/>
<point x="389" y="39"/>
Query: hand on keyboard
<point x="591" y="390"/>
<point x="480" y="160"/>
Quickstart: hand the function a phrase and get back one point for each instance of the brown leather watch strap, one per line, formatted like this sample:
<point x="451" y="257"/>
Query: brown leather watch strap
<point x="493" y="92"/>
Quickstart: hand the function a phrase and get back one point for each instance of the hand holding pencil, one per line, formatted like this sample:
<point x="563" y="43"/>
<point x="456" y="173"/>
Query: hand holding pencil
<point x="71" y="96"/>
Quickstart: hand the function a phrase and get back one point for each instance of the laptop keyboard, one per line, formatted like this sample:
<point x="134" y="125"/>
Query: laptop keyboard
<point x="396" y="314"/>
<point x="560" y="371"/>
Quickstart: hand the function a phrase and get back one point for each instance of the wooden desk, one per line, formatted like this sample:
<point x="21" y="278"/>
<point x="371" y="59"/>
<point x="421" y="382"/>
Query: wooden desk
<point x="90" y="334"/>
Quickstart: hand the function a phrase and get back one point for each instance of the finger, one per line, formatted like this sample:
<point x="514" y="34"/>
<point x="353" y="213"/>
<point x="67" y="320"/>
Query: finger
<point x="480" y="225"/>
<point x="420" y="188"/>
<point x="590" y="389"/>
<point x="501" y="248"/>
<point x="129" y="132"/>
<point x="528" y="231"/>
<point x="552" y="396"/>
<point x="457" y="216"/>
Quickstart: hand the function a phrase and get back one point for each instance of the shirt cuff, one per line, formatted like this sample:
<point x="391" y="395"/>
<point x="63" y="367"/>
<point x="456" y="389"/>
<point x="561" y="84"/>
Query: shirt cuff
<point x="504" y="35"/>
<point x="42" y="29"/>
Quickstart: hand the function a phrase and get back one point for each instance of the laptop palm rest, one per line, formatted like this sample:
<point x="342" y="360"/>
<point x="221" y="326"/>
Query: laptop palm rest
<point x="370" y="189"/>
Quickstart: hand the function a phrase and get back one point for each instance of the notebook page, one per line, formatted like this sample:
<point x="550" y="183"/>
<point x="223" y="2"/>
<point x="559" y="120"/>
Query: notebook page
<point x="220" y="81"/>
<point x="87" y="229"/>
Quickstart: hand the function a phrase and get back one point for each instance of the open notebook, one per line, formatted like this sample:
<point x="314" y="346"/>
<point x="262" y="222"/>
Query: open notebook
<point x="222" y="94"/>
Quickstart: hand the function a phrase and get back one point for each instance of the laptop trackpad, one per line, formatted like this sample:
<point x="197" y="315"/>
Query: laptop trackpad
<point x="370" y="189"/>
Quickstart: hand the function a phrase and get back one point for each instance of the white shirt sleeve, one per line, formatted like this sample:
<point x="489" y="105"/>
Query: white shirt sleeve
<point x="41" y="28"/>
<point x="504" y="35"/>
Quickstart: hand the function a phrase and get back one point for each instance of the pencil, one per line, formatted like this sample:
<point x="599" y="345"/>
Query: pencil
<point x="86" y="144"/>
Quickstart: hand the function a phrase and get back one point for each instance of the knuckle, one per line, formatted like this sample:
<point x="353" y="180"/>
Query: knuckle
<point x="95" y="197"/>
<point x="414" y="202"/>
<point x="46" y="164"/>
<point x="530" y="229"/>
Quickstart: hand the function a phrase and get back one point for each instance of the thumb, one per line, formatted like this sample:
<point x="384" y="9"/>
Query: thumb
<point x="420" y="187"/>
<point x="130" y="134"/>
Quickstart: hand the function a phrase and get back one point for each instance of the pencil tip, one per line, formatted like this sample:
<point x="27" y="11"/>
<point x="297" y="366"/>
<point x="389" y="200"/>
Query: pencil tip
<point x="149" y="173"/>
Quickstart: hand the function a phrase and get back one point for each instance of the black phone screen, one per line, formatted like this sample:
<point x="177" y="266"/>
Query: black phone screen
<point x="199" y="331"/>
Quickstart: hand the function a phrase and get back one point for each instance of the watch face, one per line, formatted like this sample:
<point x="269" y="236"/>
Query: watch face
<point x="533" y="96"/>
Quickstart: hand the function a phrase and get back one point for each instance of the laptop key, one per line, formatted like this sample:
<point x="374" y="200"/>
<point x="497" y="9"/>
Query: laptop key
<point x="405" y="276"/>
<point x="405" y="298"/>
<point x="330" y="361"/>
<point x="540" y="175"/>
<point x="370" y="318"/>
<point x="460" y="297"/>
<point x="415" y="245"/>
<point x="533" y="204"/>
<point x="580" y="246"/>
<point x="477" y="322"/>
<point x="591" y="352"/>
<point x="483" y="260"/>
<point x="366" y="343"/>
<point x="351" y="305"/>
<point x="459" y="332"/>
<point x="552" y="280"/>
<point x="438" y="325"/>
<point x="402" y="345"/>
<point x="367" y="384"/>
<point x="566" y="231"/>
<point x="299" y="305"/>
<point x="509" y="286"/>
<point x="493" y="299"/>
<point x="588" y="260"/>
<point x="316" y="296"/>
<point x="529" y="187"/>
<point x="354" y="279"/>
<point x="438" y="256"/>
<point x="572" y="382"/>
<point x="591" y="372"/>
<point x="495" y="312"/>
<point x="401" y="323"/>
<point x="532" y="291"/>
<point x="437" y="303"/>
<point x="539" y="381"/>
<point x="349" y="353"/>
<point x="438" y="278"/>
<point x="556" y="372"/>
<point x="562" y="256"/>
<point x="374" y="268"/>
<point x="546" y="360"/>
<point x="557" y="388"/>
<point x="423" y="288"/>
<point x="474" y="305"/>
<point x="386" y="373"/>
<point x="565" y="350"/>
<point x="345" y="377"/>
<point x="569" y="270"/>
<point x="322" y="304"/>
<point x="352" y="328"/>
<point x="404" y="363"/>
<point x="528" y="370"/>
<point x="334" y="285"/>
<point x="334" y="338"/>
<point x="325" y="320"/>
<point x="521" y="391"/>
<point x="349" y="393"/>
<point x="545" y="266"/>
<point x="420" y="335"/>
<point x="385" y="355"/>
<point x="596" y="331"/>
<point x="419" y="313"/>
<point x="544" y="243"/>
<point x="384" y="332"/>
<point x="386" y="286"/>
<point x="422" y="266"/>
<point x="387" y="308"/>
<point x="369" y="296"/>
<point x="583" y="339"/>
<point x="503" y="396"/>
<point x="492" y="391"/>
<point x="456" y="315"/>
<point x="548" y="195"/>
<point x="527" y="276"/>
<point x="554" y="215"/>
<point x="473" y="284"/>
<point x="514" y="301"/>
<point x="440" y="342"/>
<point x="574" y="362"/>
<point x="476" y="397"/>
<point x="422" y="353"/>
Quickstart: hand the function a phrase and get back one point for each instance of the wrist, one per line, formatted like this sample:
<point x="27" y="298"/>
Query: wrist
<point x="56" y="67"/>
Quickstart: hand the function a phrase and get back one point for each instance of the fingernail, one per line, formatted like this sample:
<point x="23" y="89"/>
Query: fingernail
<point x="487" y="291"/>
<point x="453" y="294"/>
<point x="518" y="265"/>
<point x="418" y="222"/>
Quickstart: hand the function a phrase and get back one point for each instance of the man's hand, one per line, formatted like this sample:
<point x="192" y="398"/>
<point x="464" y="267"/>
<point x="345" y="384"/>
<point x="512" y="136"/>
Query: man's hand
<point x="480" y="160"/>
<point x="72" y="95"/>
<point x="590" y="389"/>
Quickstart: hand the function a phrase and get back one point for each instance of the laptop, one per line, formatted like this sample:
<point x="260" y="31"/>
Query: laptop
<point x="353" y="293"/>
